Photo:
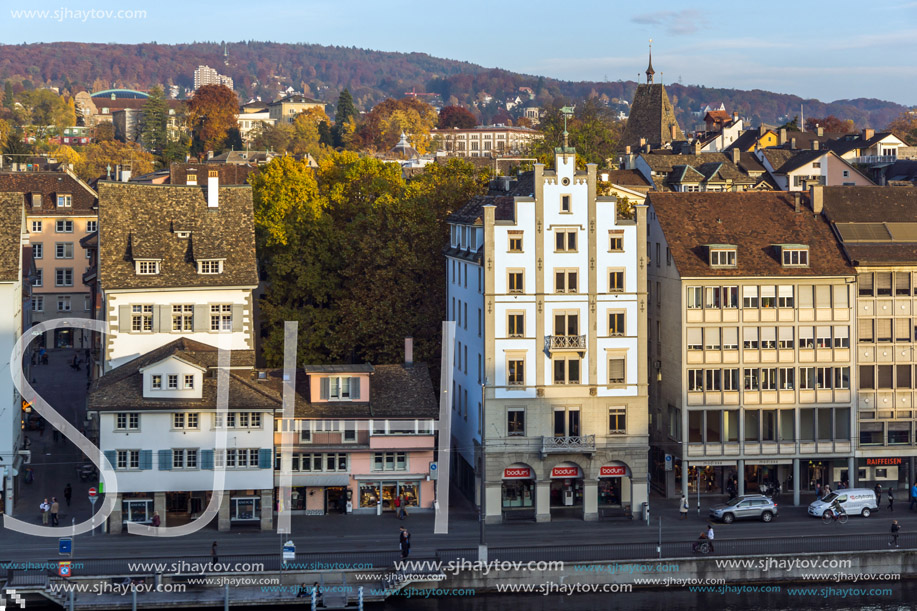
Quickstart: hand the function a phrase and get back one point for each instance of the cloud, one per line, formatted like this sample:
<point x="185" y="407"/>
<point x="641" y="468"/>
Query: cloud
<point x="686" y="21"/>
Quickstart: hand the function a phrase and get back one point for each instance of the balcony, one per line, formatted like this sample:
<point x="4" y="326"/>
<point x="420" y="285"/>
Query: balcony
<point x="564" y="342"/>
<point x="875" y="159"/>
<point x="583" y="444"/>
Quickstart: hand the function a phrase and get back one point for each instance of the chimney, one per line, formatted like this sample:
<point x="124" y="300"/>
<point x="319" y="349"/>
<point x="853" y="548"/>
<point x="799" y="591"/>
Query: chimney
<point x="627" y="150"/>
<point x="735" y="117"/>
<point x="868" y="133"/>
<point x="408" y="352"/>
<point x="736" y="155"/>
<point x="820" y="131"/>
<point x="642" y="142"/>
<point x="762" y="130"/>
<point x="672" y="129"/>
<point x="782" y="139"/>
<point x="697" y="147"/>
<point x="796" y="197"/>
<point x="647" y="148"/>
<point x="125" y="175"/>
<point x="815" y="145"/>
<point x="209" y="154"/>
<point x="793" y="143"/>
<point x="213" y="189"/>
<point x="816" y="196"/>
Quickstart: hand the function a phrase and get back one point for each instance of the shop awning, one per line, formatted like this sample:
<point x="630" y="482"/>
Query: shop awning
<point x="389" y="477"/>
<point x="335" y="479"/>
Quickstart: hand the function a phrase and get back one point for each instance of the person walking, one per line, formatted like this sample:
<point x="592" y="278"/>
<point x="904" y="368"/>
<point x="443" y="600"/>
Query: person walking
<point x="913" y="496"/>
<point x="896" y="528"/>
<point x="55" y="508"/>
<point x="156" y="521"/>
<point x="710" y="536"/>
<point x="404" y="542"/>
<point x="878" y="491"/>
<point x="826" y="490"/>
<point x="68" y="494"/>
<point x="817" y="490"/>
<point x="397" y="503"/>
<point x="214" y="558"/>
<point x="891" y="500"/>
<point x="44" y="508"/>
<point x="404" y="506"/>
<point x="683" y="509"/>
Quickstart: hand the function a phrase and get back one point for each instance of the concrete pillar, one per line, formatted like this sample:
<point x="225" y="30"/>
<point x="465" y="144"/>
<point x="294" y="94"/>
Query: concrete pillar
<point x="851" y="472"/>
<point x="223" y="523"/>
<point x="684" y="478"/>
<point x="740" y="468"/>
<point x="543" y="500"/>
<point x="159" y="505"/>
<point x="911" y="474"/>
<point x="590" y="500"/>
<point x="796" y="482"/>
<point x="267" y="509"/>
<point x="115" y="520"/>
<point x="638" y="495"/>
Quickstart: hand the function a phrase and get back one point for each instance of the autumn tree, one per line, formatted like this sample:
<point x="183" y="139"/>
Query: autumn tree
<point x="103" y="132"/>
<point x="345" y="116"/>
<point x="905" y="127"/>
<point x="100" y="158"/>
<point x="154" y="122"/>
<point x="211" y="115"/>
<point x="456" y="116"/>
<point x="46" y="109"/>
<point x="831" y="124"/>
<point x="592" y="130"/>
<point x="382" y="126"/>
<point x="15" y="149"/>
<point x="66" y="155"/>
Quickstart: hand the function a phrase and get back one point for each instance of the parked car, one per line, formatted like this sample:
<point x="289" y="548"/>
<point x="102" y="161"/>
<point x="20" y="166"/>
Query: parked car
<point x="854" y="501"/>
<point x="749" y="506"/>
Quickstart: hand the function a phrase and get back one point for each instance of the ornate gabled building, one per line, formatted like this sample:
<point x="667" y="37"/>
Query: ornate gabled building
<point x="652" y="116"/>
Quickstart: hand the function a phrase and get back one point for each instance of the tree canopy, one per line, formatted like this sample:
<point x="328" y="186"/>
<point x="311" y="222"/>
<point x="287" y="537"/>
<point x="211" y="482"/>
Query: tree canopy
<point x="98" y="157"/>
<point x="592" y="129"/>
<point x="456" y="116"/>
<point x="212" y="117"/>
<point x="905" y="127"/>
<point x="381" y="128"/>
<point x="153" y="122"/>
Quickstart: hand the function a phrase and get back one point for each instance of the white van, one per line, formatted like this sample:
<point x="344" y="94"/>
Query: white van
<point x="855" y="501"/>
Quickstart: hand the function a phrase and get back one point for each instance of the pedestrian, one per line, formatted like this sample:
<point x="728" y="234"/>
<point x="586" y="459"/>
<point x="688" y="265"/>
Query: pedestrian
<point x="683" y="509"/>
<point x="44" y="508"/>
<point x="891" y="499"/>
<point x="878" y="491"/>
<point x="214" y="558"/>
<point x="303" y="591"/>
<point x="55" y="508"/>
<point x="41" y="427"/>
<point x="710" y="536"/>
<point x="913" y="496"/>
<point x="68" y="492"/>
<point x="404" y="506"/>
<point x="818" y="490"/>
<point x="895" y="529"/>
<point x="826" y="490"/>
<point x="404" y="542"/>
<point x="155" y="520"/>
<point x="318" y="595"/>
<point x="397" y="503"/>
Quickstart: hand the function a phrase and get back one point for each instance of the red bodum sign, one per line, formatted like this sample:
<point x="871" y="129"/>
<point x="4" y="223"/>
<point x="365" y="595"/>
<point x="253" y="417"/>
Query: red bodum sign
<point x="517" y="473"/>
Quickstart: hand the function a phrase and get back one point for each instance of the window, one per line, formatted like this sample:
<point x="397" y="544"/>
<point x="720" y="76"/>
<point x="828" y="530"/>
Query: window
<point x="37" y="250"/>
<point x="63" y="276"/>
<point x="221" y="317"/>
<point x="390" y="461"/>
<point x="694" y="298"/>
<point x="92" y="226"/>
<point x="712" y="297"/>
<point x="209" y="266"/>
<point x="173" y="381"/>
<point x="63" y="250"/>
<point x="617" y="421"/>
<point x="616" y="324"/>
<point x="784" y="296"/>
<point x="515" y="242"/>
<point x="567" y="369"/>
<point x="339" y="387"/>
<point x="712" y="379"/>
<point x="128" y="459"/>
<point x="787" y="378"/>
<point x="730" y="338"/>
<point x="658" y="256"/>
<point x="515" y="422"/>
<point x="184" y="459"/>
<point x="565" y="240"/>
<point x="38" y="303"/>
<point x="749" y="297"/>
<point x="141" y="318"/>
<point x="712" y="337"/>
<point x="751" y="379"/>
<point x="795" y="257"/>
<point x="565" y="203"/>
<point x="565" y="281"/>
<point x="616" y="281"/>
<point x="63" y="227"/>
<point x="784" y="337"/>
<point x="695" y="338"/>
<point x="668" y="256"/>
<point x="189" y="382"/>
<point x="64" y="200"/>
<point x="823" y="337"/>
<point x="147" y="268"/>
<point x="63" y="303"/>
<point x="750" y="338"/>
<point x="730" y="297"/>
<point x="156" y="382"/>
<point x="884" y="330"/>
<point x="87" y="302"/>
<point x="768" y="297"/>
<point x="768" y="379"/>
<point x="515" y="371"/>
<point x="768" y="336"/>
<point x="182" y="317"/>
<point x="515" y="324"/>
<point x="566" y="422"/>
<point x="515" y="281"/>
<point x="127" y="421"/>
<point x="720" y="257"/>
<point x="617" y="366"/>
<point x="731" y="379"/>
<point x="695" y="380"/>
<point x="616" y="241"/>
<point x="36" y="226"/>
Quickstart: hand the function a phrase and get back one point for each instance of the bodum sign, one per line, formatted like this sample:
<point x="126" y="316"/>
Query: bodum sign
<point x="517" y="473"/>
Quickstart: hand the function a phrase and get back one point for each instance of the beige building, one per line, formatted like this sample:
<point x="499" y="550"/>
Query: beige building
<point x="286" y="109"/>
<point x="547" y="287"/>
<point x="485" y="140"/>
<point x="874" y="226"/>
<point x="750" y="322"/>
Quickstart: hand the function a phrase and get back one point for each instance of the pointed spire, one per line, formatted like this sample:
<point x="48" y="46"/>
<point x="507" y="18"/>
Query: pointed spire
<point x="649" y="70"/>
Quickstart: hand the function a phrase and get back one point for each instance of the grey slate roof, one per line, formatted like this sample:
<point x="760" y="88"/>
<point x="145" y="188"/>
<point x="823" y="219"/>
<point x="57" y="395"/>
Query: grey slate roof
<point x="140" y="220"/>
<point x="889" y="208"/>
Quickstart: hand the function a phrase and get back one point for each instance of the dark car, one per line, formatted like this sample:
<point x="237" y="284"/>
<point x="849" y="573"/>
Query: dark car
<point x="750" y="506"/>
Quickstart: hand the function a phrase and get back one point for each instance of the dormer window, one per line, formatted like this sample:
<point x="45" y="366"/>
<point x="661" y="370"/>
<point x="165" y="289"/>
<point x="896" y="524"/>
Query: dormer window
<point x="722" y="255"/>
<point x="340" y="388"/>
<point x="191" y="179"/>
<point x="210" y="266"/>
<point x="794" y="255"/>
<point x="183" y="234"/>
<point x="147" y="267"/>
<point x="36" y="200"/>
<point x="64" y="200"/>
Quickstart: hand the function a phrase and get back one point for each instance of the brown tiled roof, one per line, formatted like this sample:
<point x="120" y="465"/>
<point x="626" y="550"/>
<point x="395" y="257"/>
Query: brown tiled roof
<point x="626" y="178"/>
<point x="10" y="236"/>
<point x="50" y="184"/>
<point x="704" y="167"/>
<point x="754" y="222"/>
<point x="778" y="157"/>
<point x="139" y="220"/>
<point x="651" y="117"/>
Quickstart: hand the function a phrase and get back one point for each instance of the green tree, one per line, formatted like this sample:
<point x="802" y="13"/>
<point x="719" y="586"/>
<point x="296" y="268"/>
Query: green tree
<point x="153" y="122"/>
<point x="343" y="115"/>
<point x="592" y="130"/>
<point x="8" y="99"/>
<point x="15" y="149"/>
<point x="791" y="126"/>
<point x="325" y="136"/>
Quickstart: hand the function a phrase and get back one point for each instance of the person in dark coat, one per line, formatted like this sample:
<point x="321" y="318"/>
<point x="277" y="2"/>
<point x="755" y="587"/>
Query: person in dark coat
<point x="404" y="542"/>
<point x="68" y="492"/>
<point x="891" y="499"/>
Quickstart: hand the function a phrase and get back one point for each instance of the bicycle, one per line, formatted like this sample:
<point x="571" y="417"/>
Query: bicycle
<point x="833" y="516"/>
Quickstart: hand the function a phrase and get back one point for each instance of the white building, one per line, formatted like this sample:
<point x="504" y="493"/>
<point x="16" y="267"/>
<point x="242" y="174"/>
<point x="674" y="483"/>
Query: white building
<point x="205" y="75"/>
<point x="547" y="288"/>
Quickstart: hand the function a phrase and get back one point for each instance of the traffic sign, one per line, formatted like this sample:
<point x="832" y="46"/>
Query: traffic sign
<point x="65" y="546"/>
<point x="289" y="551"/>
<point x="434" y="471"/>
<point x="64" y="568"/>
<point x="93" y="492"/>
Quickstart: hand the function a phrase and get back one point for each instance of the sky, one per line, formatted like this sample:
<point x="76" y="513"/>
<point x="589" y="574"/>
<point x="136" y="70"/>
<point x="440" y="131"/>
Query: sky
<point x="842" y="50"/>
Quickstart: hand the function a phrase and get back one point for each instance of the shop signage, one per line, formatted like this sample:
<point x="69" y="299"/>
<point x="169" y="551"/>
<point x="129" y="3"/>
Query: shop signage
<point x="613" y="471"/>
<point x="769" y="461"/>
<point x="884" y="462"/>
<point x="712" y="463"/>
<point x="561" y="471"/>
<point x="517" y="473"/>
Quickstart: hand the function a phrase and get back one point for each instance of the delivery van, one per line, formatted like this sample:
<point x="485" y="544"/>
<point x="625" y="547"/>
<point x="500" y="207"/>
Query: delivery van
<point x="855" y="502"/>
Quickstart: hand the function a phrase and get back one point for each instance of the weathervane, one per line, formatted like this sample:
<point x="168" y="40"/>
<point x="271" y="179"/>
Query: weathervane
<point x="566" y="111"/>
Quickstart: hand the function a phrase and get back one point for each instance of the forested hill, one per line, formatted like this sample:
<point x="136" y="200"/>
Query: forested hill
<point x="263" y="68"/>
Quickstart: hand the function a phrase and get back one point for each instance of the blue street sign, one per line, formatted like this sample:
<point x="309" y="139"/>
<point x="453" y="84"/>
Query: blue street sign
<point x="65" y="546"/>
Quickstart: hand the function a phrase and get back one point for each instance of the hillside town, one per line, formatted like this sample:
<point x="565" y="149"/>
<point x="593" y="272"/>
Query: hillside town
<point x="642" y="316"/>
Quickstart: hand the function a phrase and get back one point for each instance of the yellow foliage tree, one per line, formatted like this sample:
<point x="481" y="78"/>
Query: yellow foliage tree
<point x="100" y="156"/>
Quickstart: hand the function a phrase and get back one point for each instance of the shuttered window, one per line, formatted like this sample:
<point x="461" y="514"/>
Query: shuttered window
<point x="883" y="283"/>
<point x="805" y="296"/>
<point x="902" y="329"/>
<point x="712" y="337"/>
<point x="840" y="296"/>
<point x="865" y="331"/>
<point x="883" y="329"/>
<point x="822" y="296"/>
<point x="902" y="283"/>
<point x="864" y="282"/>
<point x="769" y="337"/>
<point x="695" y="338"/>
<point x="750" y="337"/>
<point x="616" y="370"/>
<point x="785" y="337"/>
<point x="731" y="338"/>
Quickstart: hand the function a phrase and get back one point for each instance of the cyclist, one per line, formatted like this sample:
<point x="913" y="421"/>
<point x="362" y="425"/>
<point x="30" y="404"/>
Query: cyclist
<point x="836" y="508"/>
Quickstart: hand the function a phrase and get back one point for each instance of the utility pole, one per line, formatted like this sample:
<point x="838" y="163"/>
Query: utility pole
<point x="482" y="545"/>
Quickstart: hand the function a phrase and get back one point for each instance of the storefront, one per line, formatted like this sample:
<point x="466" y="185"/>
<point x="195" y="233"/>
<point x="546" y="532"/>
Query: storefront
<point x="887" y="471"/>
<point x="710" y="476"/>
<point x="518" y="492"/>
<point x="761" y="474"/>
<point x="136" y="508"/>
<point x="63" y="338"/>
<point x="566" y="490"/>
<point x="614" y="490"/>
<point x="372" y="493"/>
<point x="316" y="495"/>
<point x="245" y="506"/>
